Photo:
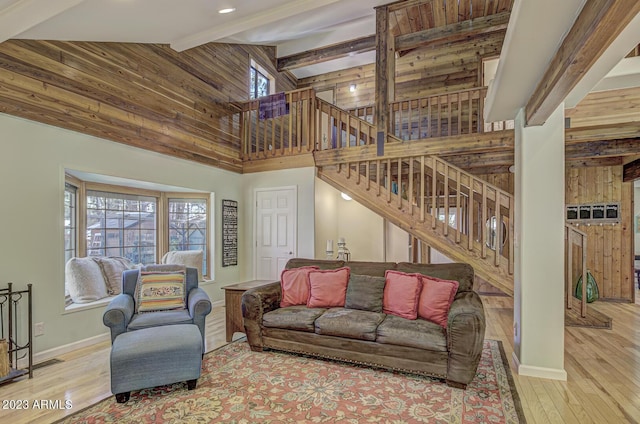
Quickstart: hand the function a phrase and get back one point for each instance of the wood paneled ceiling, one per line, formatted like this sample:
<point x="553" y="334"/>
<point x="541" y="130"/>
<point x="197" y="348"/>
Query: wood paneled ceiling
<point x="413" y="16"/>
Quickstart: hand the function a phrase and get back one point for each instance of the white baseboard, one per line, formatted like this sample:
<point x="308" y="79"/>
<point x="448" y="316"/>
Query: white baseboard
<point x="539" y="372"/>
<point x="61" y="350"/>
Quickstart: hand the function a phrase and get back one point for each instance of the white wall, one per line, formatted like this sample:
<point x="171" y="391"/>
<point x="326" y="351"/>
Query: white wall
<point x="361" y="228"/>
<point x="539" y="247"/>
<point x="32" y="162"/>
<point x="303" y="179"/>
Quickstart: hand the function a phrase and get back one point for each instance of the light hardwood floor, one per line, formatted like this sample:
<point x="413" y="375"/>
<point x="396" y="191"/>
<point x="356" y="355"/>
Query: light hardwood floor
<point x="603" y="368"/>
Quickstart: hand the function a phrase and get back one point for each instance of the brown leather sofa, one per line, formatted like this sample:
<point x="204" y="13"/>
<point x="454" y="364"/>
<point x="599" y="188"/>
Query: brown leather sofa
<point x="416" y="346"/>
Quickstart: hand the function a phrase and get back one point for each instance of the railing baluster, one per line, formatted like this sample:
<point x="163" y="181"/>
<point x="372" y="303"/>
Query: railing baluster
<point x="429" y="120"/>
<point x="470" y="208"/>
<point x="399" y="194"/>
<point x="291" y="111"/>
<point x="419" y="119"/>
<point x="483" y="225"/>
<point x="498" y="237"/>
<point x="378" y="175"/>
<point x="410" y="194"/>
<point x="272" y="146"/>
<point x="449" y="116"/>
<point x="434" y="188"/>
<point x="458" y="208"/>
<point x="439" y="120"/>
<point x="368" y="175"/>
<point x="446" y="199"/>
<point x="389" y="184"/>
<point x="470" y="131"/>
<point x="422" y="189"/>
<point x="459" y="114"/>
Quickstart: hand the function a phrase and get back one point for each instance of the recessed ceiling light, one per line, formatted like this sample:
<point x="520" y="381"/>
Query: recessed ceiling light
<point x="227" y="10"/>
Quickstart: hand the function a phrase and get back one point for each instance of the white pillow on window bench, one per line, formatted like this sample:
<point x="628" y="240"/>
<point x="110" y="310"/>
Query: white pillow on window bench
<point x="85" y="281"/>
<point x="188" y="258"/>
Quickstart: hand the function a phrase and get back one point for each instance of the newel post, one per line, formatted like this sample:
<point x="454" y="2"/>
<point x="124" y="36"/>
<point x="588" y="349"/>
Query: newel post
<point x="385" y="75"/>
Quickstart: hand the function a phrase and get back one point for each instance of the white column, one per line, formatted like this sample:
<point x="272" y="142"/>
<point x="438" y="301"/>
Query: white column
<point x="539" y="248"/>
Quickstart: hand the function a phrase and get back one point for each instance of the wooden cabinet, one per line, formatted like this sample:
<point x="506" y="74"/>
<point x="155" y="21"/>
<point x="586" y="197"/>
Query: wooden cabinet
<point x="233" y="304"/>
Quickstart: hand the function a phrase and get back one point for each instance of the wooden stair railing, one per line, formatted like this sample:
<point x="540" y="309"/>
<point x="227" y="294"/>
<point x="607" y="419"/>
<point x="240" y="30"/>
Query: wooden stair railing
<point x="464" y="217"/>
<point x="442" y="115"/>
<point x="575" y="245"/>
<point x="314" y="124"/>
<point x="285" y="135"/>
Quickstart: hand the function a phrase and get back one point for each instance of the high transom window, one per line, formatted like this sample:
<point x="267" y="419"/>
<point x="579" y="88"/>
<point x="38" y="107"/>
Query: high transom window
<point x="259" y="83"/>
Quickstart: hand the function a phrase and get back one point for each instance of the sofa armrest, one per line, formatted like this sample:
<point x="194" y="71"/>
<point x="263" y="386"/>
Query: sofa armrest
<point x="255" y="303"/>
<point x="465" y="337"/>
<point x="118" y="314"/>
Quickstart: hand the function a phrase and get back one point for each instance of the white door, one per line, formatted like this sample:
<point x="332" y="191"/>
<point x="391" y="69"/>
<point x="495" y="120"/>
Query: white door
<point x="276" y="233"/>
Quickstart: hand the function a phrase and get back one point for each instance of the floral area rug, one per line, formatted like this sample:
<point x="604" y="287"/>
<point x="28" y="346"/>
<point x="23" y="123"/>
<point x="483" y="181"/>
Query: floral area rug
<point x="240" y="386"/>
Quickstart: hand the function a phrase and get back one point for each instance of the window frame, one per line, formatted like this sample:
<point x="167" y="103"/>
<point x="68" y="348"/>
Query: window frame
<point x="166" y="197"/>
<point x="260" y="70"/>
<point x="162" y="218"/>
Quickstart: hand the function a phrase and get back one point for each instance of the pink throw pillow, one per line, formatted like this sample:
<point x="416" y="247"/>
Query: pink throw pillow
<point x="401" y="292"/>
<point x="436" y="298"/>
<point x="295" y="286"/>
<point x="328" y="288"/>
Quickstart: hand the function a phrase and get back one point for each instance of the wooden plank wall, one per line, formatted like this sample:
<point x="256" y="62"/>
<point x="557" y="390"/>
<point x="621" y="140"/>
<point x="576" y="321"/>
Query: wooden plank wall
<point x="609" y="248"/>
<point x="606" y="108"/>
<point x="504" y="181"/>
<point x="421" y="72"/>
<point x="144" y="95"/>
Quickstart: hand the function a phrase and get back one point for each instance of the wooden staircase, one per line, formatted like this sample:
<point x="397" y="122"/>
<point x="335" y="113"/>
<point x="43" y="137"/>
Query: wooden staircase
<point x="416" y="193"/>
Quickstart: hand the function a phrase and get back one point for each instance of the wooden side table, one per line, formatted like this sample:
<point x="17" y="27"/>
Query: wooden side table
<point x="233" y="304"/>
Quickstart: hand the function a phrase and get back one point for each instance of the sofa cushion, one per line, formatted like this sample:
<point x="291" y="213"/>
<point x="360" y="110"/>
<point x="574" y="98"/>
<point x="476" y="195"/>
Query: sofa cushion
<point x="112" y="268"/>
<point x="84" y="280"/>
<point x="298" y="318"/>
<point x="320" y="263"/>
<point x="295" y="286"/>
<point x="350" y="323"/>
<point x="436" y="298"/>
<point x="461" y="272"/>
<point x="401" y="292"/>
<point x="160" y="291"/>
<point x="376" y="269"/>
<point x="364" y="292"/>
<point x="328" y="288"/>
<point x="416" y="333"/>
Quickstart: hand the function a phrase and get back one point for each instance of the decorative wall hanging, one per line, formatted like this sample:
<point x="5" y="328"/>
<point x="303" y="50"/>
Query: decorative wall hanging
<point x="229" y="233"/>
<point x="594" y="214"/>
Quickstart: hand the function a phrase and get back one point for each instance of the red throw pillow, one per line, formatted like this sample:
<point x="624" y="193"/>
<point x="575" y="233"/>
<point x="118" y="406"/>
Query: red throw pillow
<point x="401" y="292"/>
<point x="436" y="298"/>
<point x="295" y="286"/>
<point x="328" y="288"/>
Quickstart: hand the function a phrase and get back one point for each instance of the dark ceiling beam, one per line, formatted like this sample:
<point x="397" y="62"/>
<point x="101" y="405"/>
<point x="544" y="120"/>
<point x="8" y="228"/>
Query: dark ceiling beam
<point x="432" y="37"/>
<point x="596" y="27"/>
<point x="453" y="32"/>
<point x="601" y="148"/>
<point x="324" y="54"/>
<point x="631" y="171"/>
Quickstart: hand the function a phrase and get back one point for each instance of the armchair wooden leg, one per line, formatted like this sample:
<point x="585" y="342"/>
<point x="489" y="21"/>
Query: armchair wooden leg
<point x="122" y="397"/>
<point x="191" y="384"/>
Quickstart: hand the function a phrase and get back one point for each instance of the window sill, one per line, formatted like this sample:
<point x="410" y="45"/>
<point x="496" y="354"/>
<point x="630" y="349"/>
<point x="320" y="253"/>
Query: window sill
<point x="76" y="307"/>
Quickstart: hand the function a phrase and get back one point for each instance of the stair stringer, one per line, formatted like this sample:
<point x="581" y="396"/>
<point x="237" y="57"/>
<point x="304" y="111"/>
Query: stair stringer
<point x="404" y="218"/>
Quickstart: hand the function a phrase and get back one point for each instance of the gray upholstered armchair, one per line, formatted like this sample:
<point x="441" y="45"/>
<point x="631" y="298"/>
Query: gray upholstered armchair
<point x="120" y="314"/>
